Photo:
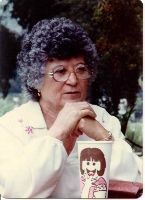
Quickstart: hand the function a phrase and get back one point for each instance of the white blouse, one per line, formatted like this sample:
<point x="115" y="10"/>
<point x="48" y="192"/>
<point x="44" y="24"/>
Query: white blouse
<point x="36" y="165"/>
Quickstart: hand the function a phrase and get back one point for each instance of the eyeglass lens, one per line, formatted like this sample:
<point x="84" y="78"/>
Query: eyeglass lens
<point x="62" y="74"/>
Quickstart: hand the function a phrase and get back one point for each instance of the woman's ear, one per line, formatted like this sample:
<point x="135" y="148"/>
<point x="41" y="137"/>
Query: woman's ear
<point x="38" y="93"/>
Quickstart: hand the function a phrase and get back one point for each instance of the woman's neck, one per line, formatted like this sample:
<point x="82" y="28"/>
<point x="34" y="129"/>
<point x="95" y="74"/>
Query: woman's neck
<point x="49" y="111"/>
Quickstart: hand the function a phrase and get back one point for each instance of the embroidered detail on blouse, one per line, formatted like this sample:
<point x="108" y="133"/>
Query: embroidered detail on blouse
<point x="29" y="129"/>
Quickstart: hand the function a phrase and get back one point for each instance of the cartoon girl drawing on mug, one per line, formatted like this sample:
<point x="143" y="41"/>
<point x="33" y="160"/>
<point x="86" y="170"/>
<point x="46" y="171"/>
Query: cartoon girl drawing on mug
<point x="92" y="167"/>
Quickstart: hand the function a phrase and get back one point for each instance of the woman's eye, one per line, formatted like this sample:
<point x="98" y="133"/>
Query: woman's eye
<point x="81" y="69"/>
<point x="88" y="163"/>
<point x="94" y="163"/>
<point x="60" y="71"/>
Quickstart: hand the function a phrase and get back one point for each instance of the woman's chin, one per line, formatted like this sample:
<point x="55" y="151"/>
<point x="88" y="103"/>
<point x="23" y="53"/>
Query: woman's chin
<point x="72" y="100"/>
<point x="69" y="100"/>
<point x="72" y="97"/>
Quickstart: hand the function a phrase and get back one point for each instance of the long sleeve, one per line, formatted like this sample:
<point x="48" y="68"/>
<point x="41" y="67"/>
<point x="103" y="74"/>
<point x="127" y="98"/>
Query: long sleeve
<point x="30" y="170"/>
<point x="125" y="165"/>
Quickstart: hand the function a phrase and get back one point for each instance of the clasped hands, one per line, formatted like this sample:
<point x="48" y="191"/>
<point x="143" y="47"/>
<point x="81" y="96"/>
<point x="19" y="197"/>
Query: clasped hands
<point x="75" y="119"/>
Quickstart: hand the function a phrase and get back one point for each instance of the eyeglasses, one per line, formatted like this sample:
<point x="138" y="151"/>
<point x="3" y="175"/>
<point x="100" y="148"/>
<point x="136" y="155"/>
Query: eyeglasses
<point x="61" y="74"/>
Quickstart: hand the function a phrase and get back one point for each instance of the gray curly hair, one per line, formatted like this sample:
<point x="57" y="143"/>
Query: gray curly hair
<point x="58" y="38"/>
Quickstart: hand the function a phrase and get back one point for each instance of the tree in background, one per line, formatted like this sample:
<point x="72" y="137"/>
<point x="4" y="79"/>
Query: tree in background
<point x="29" y="12"/>
<point x="116" y="28"/>
<point x="118" y="25"/>
<point x="9" y="48"/>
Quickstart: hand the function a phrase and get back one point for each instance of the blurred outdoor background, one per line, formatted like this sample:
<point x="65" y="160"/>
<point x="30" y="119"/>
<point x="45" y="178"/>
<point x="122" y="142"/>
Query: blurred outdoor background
<point x="115" y="26"/>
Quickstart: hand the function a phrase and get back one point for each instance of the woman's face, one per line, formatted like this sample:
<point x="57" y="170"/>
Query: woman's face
<point x="56" y="94"/>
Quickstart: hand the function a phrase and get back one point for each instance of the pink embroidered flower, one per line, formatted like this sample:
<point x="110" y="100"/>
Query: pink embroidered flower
<point x="29" y="129"/>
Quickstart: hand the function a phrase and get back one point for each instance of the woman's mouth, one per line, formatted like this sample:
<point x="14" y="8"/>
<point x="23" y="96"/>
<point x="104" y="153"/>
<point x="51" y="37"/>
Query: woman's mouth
<point x="72" y="94"/>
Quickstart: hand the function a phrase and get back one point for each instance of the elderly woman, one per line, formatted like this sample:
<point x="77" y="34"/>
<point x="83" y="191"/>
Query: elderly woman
<point x="38" y="151"/>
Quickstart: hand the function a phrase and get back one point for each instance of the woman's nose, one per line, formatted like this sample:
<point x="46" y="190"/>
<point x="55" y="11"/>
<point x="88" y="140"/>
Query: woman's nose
<point x="72" y="79"/>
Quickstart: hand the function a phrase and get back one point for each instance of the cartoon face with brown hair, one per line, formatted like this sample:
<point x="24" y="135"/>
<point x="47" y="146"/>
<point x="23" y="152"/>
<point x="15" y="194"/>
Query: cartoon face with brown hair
<point x="92" y="167"/>
<point x="92" y="161"/>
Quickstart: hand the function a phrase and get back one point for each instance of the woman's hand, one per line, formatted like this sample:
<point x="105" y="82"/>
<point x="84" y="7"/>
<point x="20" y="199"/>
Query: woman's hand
<point x="68" y="118"/>
<point x="64" y="127"/>
<point x="92" y="128"/>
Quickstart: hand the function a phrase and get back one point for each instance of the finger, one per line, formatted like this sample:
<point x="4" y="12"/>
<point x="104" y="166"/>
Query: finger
<point x="88" y="106"/>
<point x="81" y="105"/>
<point x="87" y="112"/>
